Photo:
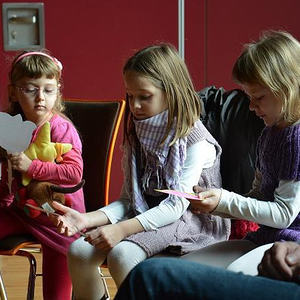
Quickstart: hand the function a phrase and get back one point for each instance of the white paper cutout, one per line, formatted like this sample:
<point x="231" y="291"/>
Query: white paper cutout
<point x="15" y="136"/>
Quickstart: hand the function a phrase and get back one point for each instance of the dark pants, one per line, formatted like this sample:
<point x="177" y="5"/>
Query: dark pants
<point x="176" y="279"/>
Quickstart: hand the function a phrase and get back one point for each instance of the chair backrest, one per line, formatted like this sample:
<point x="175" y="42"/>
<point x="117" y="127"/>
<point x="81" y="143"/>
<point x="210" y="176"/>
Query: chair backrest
<point x="98" y="124"/>
<point x="227" y="116"/>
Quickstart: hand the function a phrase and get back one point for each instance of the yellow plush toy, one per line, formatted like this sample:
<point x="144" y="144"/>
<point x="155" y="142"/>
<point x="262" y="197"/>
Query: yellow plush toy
<point x="43" y="149"/>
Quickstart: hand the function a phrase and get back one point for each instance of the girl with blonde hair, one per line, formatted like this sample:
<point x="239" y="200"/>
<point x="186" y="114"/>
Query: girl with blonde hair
<point x="165" y="147"/>
<point x="269" y="72"/>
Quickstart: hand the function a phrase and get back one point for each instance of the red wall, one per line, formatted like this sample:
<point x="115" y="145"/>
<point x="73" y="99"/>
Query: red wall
<point x="93" y="38"/>
<point x="232" y="23"/>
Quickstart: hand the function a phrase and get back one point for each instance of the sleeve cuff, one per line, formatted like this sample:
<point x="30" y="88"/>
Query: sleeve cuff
<point x="109" y="213"/>
<point x="223" y="204"/>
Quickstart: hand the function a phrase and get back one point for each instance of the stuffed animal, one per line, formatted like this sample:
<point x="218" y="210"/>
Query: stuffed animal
<point x="45" y="150"/>
<point x="41" y="193"/>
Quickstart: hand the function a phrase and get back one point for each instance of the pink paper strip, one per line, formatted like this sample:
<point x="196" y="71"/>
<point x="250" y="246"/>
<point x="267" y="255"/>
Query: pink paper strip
<point x="179" y="194"/>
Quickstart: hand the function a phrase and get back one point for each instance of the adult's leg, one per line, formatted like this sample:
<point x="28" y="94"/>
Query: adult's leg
<point x="123" y="258"/>
<point x="249" y="262"/>
<point x="56" y="278"/>
<point x="171" y="278"/>
<point x="220" y="254"/>
<point x="83" y="263"/>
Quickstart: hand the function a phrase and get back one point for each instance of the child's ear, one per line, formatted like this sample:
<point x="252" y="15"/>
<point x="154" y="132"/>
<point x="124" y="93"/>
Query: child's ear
<point x="12" y="93"/>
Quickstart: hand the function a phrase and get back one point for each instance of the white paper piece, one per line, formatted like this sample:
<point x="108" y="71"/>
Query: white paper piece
<point x="15" y="134"/>
<point x="46" y="206"/>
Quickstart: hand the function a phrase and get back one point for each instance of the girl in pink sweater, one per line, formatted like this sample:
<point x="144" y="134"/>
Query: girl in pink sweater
<point x="34" y="92"/>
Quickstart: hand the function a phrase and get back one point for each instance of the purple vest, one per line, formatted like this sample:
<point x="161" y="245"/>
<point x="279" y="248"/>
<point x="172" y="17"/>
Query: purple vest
<point x="278" y="159"/>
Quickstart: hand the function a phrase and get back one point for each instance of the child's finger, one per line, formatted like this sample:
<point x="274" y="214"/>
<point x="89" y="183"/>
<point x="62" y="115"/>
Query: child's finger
<point x="58" y="206"/>
<point x="206" y="194"/>
<point x="61" y="228"/>
<point x="197" y="189"/>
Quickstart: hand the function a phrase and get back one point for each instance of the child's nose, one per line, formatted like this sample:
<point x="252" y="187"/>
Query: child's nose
<point x="40" y="95"/>
<point x="252" y="104"/>
<point x="137" y="104"/>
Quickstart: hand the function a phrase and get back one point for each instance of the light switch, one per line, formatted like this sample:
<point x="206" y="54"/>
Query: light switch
<point x="23" y="26"/>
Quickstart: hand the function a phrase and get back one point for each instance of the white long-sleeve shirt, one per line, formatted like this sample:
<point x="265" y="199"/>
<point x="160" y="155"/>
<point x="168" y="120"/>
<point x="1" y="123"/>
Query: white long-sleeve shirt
<point x="278" y="214"/>
<point x="199" y="156"/>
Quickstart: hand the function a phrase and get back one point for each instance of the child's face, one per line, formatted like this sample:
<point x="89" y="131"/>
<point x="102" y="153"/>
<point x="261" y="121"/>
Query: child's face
<point x="264" y="103"/>
<point x="145" y="99"/>
<point x="36" y="97"/>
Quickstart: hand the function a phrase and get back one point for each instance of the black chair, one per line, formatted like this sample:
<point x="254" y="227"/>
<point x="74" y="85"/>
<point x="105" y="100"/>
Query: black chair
<point x="227" y="117"/>
<point x="98" y="123"/>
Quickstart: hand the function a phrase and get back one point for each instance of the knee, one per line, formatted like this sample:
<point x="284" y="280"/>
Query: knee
<point x="117" y="255"/>
<point x="152" y="267"/>
<point x="74" y="252"/>
<point x="80" y="252"/>
<point x="126" y="253"/>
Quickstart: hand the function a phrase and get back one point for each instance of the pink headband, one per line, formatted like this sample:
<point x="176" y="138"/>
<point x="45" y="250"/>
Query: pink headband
<point x="58" y="63"/>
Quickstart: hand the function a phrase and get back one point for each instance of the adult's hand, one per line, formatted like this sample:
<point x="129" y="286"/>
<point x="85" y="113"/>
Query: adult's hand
<point x="282" y="262"/>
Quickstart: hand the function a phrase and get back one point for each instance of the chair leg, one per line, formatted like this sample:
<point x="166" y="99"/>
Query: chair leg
<point x="103" y="278"/>
<point x="32" y="273"/>
<point x="3" y="295"/>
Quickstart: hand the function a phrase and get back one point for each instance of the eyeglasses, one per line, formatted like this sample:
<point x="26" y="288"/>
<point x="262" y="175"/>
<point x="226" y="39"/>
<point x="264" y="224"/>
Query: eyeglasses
<point x="32" y="91"/>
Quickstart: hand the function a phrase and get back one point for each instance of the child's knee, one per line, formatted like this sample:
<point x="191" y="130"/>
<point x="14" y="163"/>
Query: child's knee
<point x="83" y="254"/>
<point x="79" y="251"/>
<point x="126" y="252"/>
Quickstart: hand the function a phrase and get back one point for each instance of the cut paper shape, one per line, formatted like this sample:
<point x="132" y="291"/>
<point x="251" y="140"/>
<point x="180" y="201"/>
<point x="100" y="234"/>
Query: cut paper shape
<point x="15" y="134"/>
<point x="179" y="194"/>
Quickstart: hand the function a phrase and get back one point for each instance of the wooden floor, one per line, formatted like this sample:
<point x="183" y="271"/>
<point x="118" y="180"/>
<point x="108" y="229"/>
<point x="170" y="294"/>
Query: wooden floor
<point x="14" y="272"/>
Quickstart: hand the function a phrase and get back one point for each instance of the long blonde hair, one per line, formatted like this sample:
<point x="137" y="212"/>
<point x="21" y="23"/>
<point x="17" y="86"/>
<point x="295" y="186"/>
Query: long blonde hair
<point x="35" y="66"/>
<point x="274" y="62"/>
<point x="163" y="66"/>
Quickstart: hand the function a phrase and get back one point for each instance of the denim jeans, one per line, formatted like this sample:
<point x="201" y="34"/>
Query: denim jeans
<point x="176" y="279"/>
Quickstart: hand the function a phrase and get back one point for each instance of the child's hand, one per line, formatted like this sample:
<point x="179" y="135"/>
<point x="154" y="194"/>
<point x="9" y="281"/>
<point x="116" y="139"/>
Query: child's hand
<point x="105" y="237"/>
<point x="70" y="222"/>
<point x="208" y="200"/>
<point x="20" y="161"/>
<point x="282" y="262"/>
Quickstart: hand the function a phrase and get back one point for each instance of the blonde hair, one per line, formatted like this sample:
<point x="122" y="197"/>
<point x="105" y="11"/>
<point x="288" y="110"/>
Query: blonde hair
<point x="35" y="66"/>
<point x="274" y="62"/>
<point x="163" y="66"/>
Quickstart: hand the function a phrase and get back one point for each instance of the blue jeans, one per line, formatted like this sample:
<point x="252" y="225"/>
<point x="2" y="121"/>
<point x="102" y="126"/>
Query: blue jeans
<point x="172" y="278"/>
